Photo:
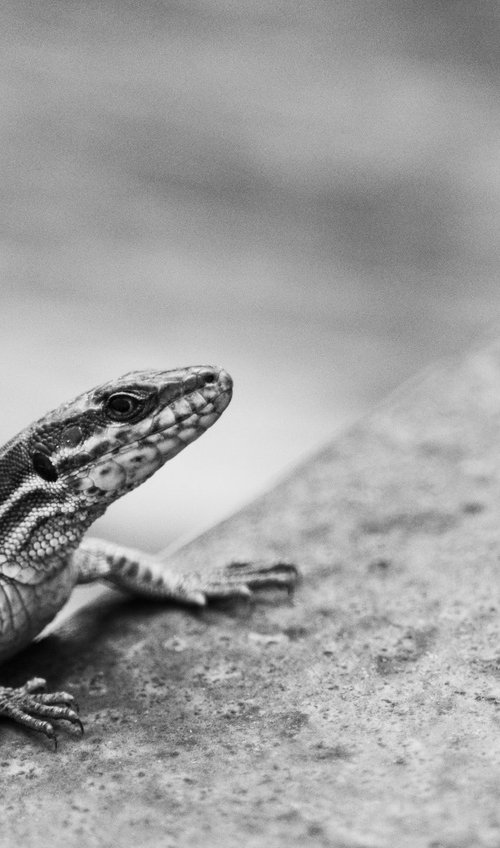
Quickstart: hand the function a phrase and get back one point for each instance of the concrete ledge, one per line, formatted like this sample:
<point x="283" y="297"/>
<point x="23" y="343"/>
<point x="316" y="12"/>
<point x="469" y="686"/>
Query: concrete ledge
<point x="365" y="714"/>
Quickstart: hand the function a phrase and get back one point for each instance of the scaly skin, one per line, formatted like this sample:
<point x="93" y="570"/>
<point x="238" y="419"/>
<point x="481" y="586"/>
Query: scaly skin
<point x="61" y="473"/>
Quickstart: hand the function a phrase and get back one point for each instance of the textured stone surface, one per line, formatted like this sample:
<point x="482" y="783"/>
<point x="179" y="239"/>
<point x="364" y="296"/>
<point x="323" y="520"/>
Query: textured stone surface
<point x="364" y="714"/>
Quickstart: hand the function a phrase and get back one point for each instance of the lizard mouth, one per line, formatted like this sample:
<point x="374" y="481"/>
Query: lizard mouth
<point x="198" y="408"/>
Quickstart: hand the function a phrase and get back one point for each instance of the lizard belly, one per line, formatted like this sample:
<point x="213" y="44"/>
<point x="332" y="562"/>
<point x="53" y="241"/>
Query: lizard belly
<point x="25" y="608"/>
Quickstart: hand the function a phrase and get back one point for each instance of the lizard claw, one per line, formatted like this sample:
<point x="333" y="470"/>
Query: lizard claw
<point x="30" y="708"/>
<point x="265" y="575"/>
<point x="238" y="580"/>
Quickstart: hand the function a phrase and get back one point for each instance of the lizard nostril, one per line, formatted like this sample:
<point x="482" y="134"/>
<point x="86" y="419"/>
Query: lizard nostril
<point x="209" y="376"/>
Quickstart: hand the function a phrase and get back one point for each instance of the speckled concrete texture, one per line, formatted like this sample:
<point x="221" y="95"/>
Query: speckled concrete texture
<point x="364" y="714"/>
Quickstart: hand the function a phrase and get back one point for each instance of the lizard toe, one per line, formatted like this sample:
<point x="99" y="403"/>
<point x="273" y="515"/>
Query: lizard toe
<point x="31" y="709"/>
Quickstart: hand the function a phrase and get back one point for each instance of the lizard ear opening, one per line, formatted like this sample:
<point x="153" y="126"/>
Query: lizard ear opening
<point x="44" y="467"/>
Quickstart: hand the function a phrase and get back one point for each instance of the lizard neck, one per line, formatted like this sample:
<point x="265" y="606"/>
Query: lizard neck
<point x="36" y="522"/>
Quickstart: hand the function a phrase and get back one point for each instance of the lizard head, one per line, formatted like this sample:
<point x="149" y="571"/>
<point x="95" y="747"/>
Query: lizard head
<point x="112" y="438"/>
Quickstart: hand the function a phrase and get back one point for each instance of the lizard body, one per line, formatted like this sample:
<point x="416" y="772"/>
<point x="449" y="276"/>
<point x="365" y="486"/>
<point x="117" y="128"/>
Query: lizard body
<point x="61" y="473"/>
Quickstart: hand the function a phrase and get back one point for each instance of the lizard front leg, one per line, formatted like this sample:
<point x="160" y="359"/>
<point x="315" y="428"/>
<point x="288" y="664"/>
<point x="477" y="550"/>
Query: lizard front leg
<point x="144" y="575"/>
<point x="139" y="574"/>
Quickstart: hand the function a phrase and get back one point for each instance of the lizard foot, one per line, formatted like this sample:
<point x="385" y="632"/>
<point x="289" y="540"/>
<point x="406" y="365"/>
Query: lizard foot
<point x="237" y="580"/>
<point x="30" y="707"/>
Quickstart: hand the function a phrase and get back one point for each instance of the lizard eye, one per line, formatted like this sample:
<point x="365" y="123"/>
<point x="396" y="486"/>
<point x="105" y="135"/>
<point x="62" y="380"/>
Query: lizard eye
<point x="122" y="406"/>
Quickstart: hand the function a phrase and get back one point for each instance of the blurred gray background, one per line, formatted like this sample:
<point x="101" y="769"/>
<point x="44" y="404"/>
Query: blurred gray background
<point x="307" y="193"/>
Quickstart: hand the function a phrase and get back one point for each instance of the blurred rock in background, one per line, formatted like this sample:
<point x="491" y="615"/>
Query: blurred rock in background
<point x="307" y="193"/>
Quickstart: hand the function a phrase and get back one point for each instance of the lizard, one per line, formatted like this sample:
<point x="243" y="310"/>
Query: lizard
<point x="60" y="474"/>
